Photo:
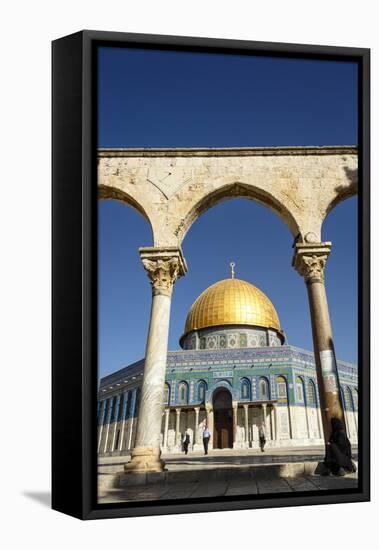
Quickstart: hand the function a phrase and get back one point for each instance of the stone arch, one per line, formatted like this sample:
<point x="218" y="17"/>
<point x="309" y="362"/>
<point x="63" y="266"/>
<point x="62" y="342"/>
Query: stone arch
<point x="343" y="191"/>
<point x="222" y="384"/>
<point x="230" y="191"/>
<point x="106" y="192"/>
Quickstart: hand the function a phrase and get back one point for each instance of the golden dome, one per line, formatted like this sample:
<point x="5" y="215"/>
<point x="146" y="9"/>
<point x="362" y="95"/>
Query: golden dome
<point x="232" y="302"/>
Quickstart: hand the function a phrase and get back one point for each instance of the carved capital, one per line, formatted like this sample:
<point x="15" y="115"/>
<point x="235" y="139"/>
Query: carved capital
<point x="310" y="259"/>
<point x="164" y="266"/>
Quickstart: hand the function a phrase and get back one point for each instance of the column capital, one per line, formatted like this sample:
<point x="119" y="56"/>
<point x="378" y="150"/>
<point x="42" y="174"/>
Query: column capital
<point x="309" y="260"/>
<point x="235" y="404"/>
<point x="164" y="265"/>
<point x="197" y="409"/>
<point x="178" y="410"/>
<point x="245" y="406"/>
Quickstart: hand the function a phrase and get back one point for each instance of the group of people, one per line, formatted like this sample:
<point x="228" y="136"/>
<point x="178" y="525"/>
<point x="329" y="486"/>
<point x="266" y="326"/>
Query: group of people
<point x="338" y="458"/>
<point x="186" y="439"/>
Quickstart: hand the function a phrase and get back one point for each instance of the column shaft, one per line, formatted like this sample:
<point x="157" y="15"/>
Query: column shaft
<point x="101" y="423"/>
<point x="122" y="434"/>
<point x="210" y="424"/>
<point x="246" y="411"/>
<point x="277" y="430"/>
<point x="235" y="422"/>
<point x="164" y="266"/>
<point x="177" y="428"/>
<point x="196" y="431"/>
<point x="165" y="435"/>
<point x="309" y="261"/>
<point x="264" y="417"/>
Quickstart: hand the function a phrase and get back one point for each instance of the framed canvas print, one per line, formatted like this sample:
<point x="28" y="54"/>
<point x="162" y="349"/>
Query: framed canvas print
<point x="210" y="275"/>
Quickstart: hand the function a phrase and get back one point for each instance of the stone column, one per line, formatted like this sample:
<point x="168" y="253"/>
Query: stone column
<point x="101" y="423"/>
<point x="165" y="434"/>
<point x="107" y="422"/>
<point x="307" y="417"/>
<point x="271" y="416"/>
<point x="115" y="423"/>
<point x="235" y="422"/>
<point x="246" y="411"/>
<point x="164" y="266"/>
<point x="177" y="428"/>
<point x="275" y="408"/>
<point x="309" y="260"/>
<point x="264" y="415"/>
<point x="196" y="432"/>
<point x="131" y="422"/>
<point x="210" y="423"/>
<point x="123" y="414"/>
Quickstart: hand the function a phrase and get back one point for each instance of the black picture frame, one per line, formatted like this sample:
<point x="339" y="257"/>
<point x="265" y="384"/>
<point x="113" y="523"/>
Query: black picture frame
<point x="74" y="271"/>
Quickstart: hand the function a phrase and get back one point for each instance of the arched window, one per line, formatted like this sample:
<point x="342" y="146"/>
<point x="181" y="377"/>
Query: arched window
<point x="201" y="388"/>
<point x="166" y="395"/>
<point x="183" y="392"/>
<point x="348" y="398"/>
<point x="299" y="390"/>
<point x="281" y="384"/>
<point x="263" y="389"/>
<point x="311" y="393"/>
<point x="245" y="389"/>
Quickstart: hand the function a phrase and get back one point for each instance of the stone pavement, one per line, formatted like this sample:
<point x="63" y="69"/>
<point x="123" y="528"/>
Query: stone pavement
<point x="221" y="473"/>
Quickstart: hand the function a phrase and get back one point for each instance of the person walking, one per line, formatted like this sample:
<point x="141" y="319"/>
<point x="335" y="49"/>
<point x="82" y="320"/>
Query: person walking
<point x="338" y="460"/>
<point x="206" y="438"/>
<point x="185" y="442"/>
<point x="262" y="438"/>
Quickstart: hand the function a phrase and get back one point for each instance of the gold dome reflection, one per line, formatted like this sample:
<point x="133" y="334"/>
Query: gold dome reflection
<point x="232" y="302"/>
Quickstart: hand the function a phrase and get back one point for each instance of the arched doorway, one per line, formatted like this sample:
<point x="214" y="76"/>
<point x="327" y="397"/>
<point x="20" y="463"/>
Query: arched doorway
<point x="223" y="419"/>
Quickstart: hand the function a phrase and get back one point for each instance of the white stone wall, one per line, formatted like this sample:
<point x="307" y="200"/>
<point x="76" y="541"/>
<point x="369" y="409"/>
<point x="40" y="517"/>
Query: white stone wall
<point x="284" y="428"/>
<point x="351" y="420"/>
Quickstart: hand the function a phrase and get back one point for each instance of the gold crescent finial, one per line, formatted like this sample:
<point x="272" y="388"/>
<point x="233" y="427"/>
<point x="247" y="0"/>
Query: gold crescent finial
<point x="232" y="266"/>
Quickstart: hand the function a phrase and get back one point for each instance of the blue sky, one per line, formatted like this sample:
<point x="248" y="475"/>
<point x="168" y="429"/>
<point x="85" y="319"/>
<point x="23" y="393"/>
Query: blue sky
<point x="169" y="99"/>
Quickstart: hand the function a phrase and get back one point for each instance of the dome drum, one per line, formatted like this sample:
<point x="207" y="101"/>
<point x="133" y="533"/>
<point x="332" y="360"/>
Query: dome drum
<point x="231" y="337"/>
